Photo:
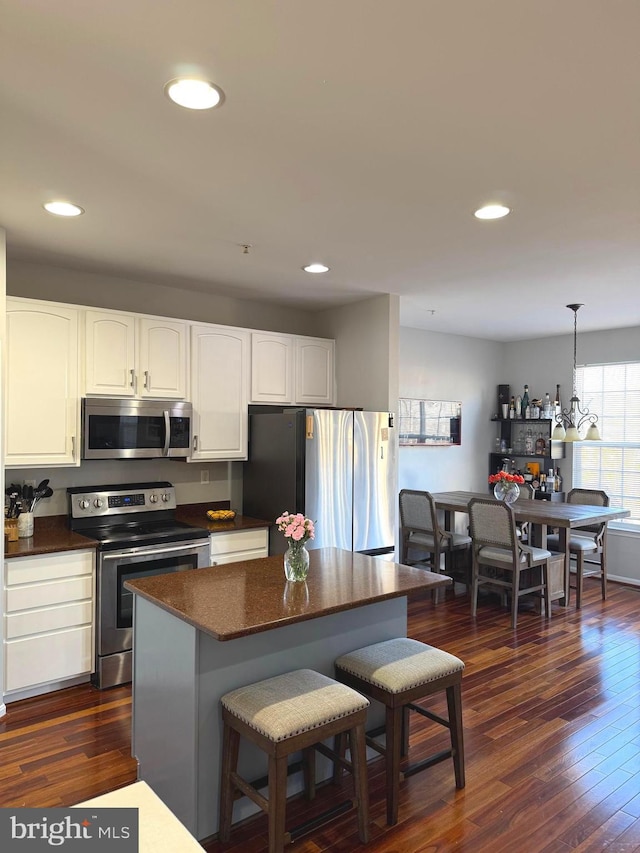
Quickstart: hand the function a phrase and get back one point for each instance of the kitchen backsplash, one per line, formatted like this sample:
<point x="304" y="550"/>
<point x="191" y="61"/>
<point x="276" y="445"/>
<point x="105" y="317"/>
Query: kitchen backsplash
<point x="225" y="480"/>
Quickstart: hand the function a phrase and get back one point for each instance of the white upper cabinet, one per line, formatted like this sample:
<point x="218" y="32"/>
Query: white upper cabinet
<point x="314" y="362"/>
<point x="163" y="358"/>
<point x="219" y="392"/>
<point x="129" y="356"/>
<point x="42" y="403"/>
<point x="292" y="369"/>
<point x="110" y="354"/>
<point x="271" y="368"/>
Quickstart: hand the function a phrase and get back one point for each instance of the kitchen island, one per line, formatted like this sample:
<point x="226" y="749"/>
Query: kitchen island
<point x="201" y="633"/>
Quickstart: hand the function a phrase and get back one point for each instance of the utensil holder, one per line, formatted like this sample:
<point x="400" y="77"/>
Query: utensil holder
<point x="11" y="529"/>
<point x="25" y="525"/>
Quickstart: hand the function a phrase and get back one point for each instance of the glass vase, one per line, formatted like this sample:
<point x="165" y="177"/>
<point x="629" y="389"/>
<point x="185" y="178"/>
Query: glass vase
<point x="296" y="562"/>
<point x="507" y="492"/>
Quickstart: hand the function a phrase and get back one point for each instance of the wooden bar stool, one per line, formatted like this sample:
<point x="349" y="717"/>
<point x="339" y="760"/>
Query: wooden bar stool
<point x="398" y="673"/>
<point x="283" y="715"/>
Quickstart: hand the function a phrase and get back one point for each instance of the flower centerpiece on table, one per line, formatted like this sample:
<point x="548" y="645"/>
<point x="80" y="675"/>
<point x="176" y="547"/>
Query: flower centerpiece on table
<point x="506" y="487"/>
<point x="297" y="530"/>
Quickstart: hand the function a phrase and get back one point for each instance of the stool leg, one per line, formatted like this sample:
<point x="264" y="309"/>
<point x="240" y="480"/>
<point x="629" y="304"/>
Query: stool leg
<point x="277" y="802"/>
<point x="359" y="764"/>
<point x="340" y="748"/>
<point x="405" y="731"/>
<point x="230" y="747"/>
<point x="309" y="772"/>
<point x="454" y="705"/>
<point x="603" y="568"/>
<point x="393" y="749"/>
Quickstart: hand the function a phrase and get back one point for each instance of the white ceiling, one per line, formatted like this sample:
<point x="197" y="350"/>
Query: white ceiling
<point x="361" y="133"/>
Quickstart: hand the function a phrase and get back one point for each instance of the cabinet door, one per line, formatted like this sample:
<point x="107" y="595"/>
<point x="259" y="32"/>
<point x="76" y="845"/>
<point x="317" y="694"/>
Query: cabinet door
<point x="109" y="354"/>
<point x="219" y="392"/>
<point x="314" y="359"/>
<point x="163" y="359"/>
<point x="42" y="403"/>
<point x="271" y="368"/>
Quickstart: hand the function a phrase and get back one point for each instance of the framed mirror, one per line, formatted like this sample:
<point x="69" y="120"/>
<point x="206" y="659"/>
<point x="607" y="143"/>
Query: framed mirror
<point x="429" y="423"/>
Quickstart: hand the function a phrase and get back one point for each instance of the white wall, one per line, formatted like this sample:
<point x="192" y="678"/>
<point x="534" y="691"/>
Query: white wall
<point x="367" y="348"/>
<point x="184" y="476"/>
<point x="434" y="366"/>
<point x="38" y="281"/>
<point x="3" y="288"/>
<point x="546" y="361"/>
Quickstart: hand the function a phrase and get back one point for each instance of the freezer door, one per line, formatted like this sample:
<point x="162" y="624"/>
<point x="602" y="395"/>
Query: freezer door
<point x="374" y="482"/>
<point x="329" y="477"/>
<point x="273" y="477"/>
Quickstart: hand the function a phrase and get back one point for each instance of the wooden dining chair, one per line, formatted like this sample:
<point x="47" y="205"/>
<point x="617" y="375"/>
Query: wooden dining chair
<point x="500" y="560"/>
<point x="522" y="527"/>
<point x="590" y="540"/>
<point x="421" y="533"/>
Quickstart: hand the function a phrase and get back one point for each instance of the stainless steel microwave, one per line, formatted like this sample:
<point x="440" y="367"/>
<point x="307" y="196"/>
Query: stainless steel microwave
<point x="135" y="429"/>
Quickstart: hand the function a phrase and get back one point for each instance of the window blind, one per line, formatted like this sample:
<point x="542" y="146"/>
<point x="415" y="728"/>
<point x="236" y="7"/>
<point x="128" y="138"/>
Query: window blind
<point x="612" y="391"/>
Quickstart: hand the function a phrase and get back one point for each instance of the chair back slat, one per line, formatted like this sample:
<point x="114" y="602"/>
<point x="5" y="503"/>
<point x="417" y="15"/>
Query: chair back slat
<point x="417" y="511"/>
<point x="590" y="497"/>
<point x="492" y="523"/>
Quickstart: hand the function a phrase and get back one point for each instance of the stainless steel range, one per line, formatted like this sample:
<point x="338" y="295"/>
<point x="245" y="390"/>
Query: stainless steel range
<point x="139" y="536"/>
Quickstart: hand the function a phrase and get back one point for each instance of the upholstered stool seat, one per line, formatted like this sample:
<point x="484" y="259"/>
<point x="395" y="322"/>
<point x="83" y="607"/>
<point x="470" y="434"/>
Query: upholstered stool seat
<point x="283" y="715"/>
<point x="398" y="673"/>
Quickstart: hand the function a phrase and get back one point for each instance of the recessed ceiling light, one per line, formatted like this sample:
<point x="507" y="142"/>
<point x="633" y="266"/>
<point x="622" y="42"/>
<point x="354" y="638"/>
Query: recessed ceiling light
<point x="492" y="211"/>
<point x="316" y="268"/>
<point x="194" y="94"/>
<point x="63" y="208"/>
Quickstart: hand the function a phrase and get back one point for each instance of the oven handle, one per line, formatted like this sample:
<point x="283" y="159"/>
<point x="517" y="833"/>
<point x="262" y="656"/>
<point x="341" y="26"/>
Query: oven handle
<point x="173" y="549"/>
<point x="167" y="433"/>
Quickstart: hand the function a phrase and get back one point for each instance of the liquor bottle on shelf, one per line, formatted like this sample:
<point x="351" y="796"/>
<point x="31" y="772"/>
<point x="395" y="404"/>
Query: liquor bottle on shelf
<point x="524" y="405"/>
<point x="557" y="405"/>
<point x="512" y="408"/>
<point x="558" y="484"/>
<point x="518" y="406"/>
<point x="547" y="407"/>
<point x="529" y="443"/>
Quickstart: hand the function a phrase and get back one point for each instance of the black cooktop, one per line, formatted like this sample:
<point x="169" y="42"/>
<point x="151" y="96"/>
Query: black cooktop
<point x="141" y="534"/>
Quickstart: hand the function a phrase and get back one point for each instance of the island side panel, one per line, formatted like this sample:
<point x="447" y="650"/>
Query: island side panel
<point x="222" y="667"/>
<point x="164" y="712"/>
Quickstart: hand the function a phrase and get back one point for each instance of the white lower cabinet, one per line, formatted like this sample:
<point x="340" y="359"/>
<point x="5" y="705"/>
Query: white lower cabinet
<point x="48" y="621"/>
<point x="237" y="545"/>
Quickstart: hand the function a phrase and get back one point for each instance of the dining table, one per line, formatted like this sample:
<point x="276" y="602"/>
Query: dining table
<point x="541" y="515"/>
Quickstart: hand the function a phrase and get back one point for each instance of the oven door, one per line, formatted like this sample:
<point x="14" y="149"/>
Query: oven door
<point x="114" y="632"/>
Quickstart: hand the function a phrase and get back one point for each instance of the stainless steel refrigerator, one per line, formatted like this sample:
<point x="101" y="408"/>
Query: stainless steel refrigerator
<point x="336" y="466"/>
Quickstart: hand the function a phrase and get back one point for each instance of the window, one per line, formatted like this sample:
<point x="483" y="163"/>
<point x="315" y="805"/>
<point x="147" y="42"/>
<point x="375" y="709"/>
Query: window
<point x="612" y="391"/>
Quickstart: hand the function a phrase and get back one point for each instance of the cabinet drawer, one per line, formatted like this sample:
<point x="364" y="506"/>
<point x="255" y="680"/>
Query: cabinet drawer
<point x="48" y="657"/>
<point x="46" y="567"/>
<point x="239" y="541"/>
<point x="236" y="556"/>
<point x="43" y="594"/>
<point x="48" y="619"/>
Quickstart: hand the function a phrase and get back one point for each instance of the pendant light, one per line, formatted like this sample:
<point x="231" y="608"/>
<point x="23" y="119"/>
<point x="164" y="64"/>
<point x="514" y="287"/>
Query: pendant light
<point x="570" y="421"/>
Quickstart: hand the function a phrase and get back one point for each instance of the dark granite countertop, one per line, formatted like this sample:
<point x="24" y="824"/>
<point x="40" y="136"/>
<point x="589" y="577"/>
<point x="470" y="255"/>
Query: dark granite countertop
<point x="252" y="596"/>
<point x="196" y="514"/>
<point x="50" y="534"/>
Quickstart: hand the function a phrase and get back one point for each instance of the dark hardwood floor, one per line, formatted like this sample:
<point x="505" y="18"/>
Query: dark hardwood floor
<point x="552" y="728"/>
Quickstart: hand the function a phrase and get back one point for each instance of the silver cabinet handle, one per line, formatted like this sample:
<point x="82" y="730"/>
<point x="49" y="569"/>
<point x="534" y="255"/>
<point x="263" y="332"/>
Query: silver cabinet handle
<point x="147" y="380"/>
<point x="133" y="377"/>
<point x="73" y="447"/>
<point x="195" y="442"/>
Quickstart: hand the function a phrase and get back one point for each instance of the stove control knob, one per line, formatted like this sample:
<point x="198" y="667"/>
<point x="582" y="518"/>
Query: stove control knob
<point x="153" y="499"/>
<point x="84" y="504"/>
<point x="165" y="498"/>
<point x="97" y="503"/>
